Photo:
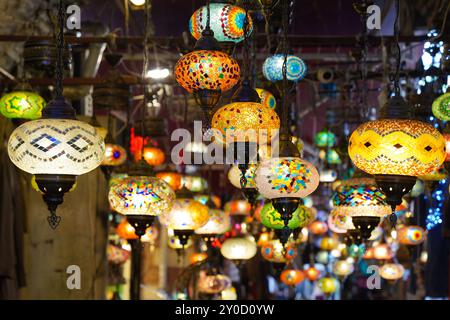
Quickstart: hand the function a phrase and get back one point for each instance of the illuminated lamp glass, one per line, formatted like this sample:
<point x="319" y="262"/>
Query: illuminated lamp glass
<point x="264" y="238"/>
<point x="213" y="283"/>
<point x="218" y="223"/>
<point x="198" y="257"/>
<point x="194" y="183"/>
<point x="226" y="21"/>
<point x="238" y="249"/>
<point x="441" y="107"/>
<point x="141" y="195"/>
<point x="369" y="254"/>
<point x="343" y="268"/>
<point x="327" y="175"/>
<point x="228" y="294"/>
<point x="411" y="235"/>
<point x="447" y="146"/>
<point x="173" y="179"/>
<point x="328" y="285"/>
<point x="339" y="222"/>
<point x="289" y="177"/>
<point x="382" y="251"/>
<point x="273" y="68"/>
<point x="238" y="207"/>
<point x="435" y="175"/>
<point x="418" y="189"/>
<point x="312" y="273"/>
<point x="274" y="251"/>
<point x="207" y="69"/>
<point x="152" y="155"/>
<point x="392" y="271"/>
<point x="328" y="243"/>
<point x="318" y="227"/>
<point x="272" y="218"/>
<point x="244" y="122"/>
<point x="175" y="243"/>
<point x="235" y="174"/>
<point x="292" y="277"/>
<point x="308" y="202"/>
<point x="267" y="99"/>
<point x="22" y="103"/>
<point x="324" y="139"/>
<point x="116" y="177"/>
<point x="356" y="250"/>
<point x="322" y="257"/>
<point x="115" y="155"/>
<point x="117" y="255"/>
<point x="126" y="231"/>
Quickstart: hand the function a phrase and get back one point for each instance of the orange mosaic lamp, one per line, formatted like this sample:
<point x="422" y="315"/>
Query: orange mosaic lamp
<point x="173" y="179"/>
<point x="411" y="235"/>
<point x="292" y="277"/>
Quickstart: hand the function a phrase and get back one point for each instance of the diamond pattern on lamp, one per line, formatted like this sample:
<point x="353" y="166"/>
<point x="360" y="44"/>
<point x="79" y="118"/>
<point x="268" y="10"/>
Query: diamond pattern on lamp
<point x="56" y="146"/>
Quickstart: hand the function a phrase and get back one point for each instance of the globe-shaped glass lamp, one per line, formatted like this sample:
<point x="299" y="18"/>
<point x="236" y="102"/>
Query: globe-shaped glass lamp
<point x="22" y="104"/>
<point x="272" y="218"/>
<point x="173" y="179"/>
<point x="185" y="214"/>
<point x="274" y="251"/>
<point x="267" y="99"/>
<point x="411" y="235"/>
<point x="226" y="21"/>
<point x="292" y="277"/>
<point x="392" y="271"/>
<point x="328" y="285"/>
<point x="342" y="268"/>
<point x="239" y="249"/>
<point x="441" y="107"/>
<point x="115" y="155"/>
<point x="273" y="68"/>
<point x="218" y="223"/>
<point x="325" y="138"/>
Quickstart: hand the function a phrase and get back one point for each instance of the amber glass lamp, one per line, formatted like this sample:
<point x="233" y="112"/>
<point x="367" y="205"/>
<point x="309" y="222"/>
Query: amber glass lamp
<point x="292" y="277"/>
<point x="115" y="155"/>
<point x="411" y="235"/>
<point x="392" y="271"/>
<point x="173" y="179"/>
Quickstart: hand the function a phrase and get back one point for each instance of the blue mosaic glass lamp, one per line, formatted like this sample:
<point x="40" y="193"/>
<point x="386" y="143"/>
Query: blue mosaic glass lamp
<point x="273" y="68"/>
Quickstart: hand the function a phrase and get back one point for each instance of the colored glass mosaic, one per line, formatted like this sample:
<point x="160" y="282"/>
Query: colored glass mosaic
<point x="273" y="68"/>
<point x="22" y="105"/>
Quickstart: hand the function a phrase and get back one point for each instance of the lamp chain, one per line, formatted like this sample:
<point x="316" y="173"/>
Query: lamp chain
<point x="396" y="33"/>
<point x="208" y="15"/>
<point x="59" y="51"/>
<point x="284" y="111"/>
<point x="246" y="48"/>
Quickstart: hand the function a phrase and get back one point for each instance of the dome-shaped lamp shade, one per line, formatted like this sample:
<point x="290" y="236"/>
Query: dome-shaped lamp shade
<point x="392" y="271"/>
<point x="141" y="195"/>
<point x="238" y="249"/>
<point x="56" y="146"/>
<point x="226" y="21"/>
<point x="22" y="105"/>
<point x="205" y="69"/>
<point x="186" y="214"/>
<point x="235" y="174"/>
<point x="115" y="155"/>
<point x="173" y="179"/>
<point x="267" y="99"/>
<point x="411" y="235"/>
<point x="218" y="223"/>
<point x="397" y="147"/>
<point x="342" y="268"/>
<point x="271" y="218"/>
<point x="441" y="107"/>
<point x="286" y="177"/>
<point x="245" y="121"/>
<point x="324" y="139"/>
<point x="292" y="277"/>
<point x="328" y="285"/>
<point x="212" y="284"/>
<point x="274" y="251"/>
<point x="273" y="68"/>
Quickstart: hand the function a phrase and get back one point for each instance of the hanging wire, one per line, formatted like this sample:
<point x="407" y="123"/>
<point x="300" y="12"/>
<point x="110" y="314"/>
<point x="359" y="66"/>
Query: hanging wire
<point x="284" y="47"/>
<point x="246" y="47"/>
<point x="396" y="33"/>
<point x="59" y="51"/>
<point x="208" y="15"/>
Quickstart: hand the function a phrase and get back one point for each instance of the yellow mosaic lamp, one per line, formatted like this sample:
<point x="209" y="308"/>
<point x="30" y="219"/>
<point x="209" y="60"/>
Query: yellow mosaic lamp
<point x="392" y="271"/>
<point x="22" y="103"/>
<point x="396" y="150"/>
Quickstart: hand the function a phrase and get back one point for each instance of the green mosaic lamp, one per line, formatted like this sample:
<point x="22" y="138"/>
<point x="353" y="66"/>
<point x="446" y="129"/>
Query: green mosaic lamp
<point x="22" y="103"/>
<point x="441" y="106"/>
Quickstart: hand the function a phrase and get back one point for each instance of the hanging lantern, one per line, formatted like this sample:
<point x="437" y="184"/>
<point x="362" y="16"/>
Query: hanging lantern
<point x="152" y="155"/>
<point x="392" y="271"/>
<point x="194" y="183"/>
<point x="292" y="277"/>
<point x="272" y="218"/>
<point x="218" y="223"/>
<point x="342" y="268"/>
<point x="115" y="155"/>
<point x="185" y="216"/>
<point x="238" y="249"/>
<point x="235" y="175"/>
<point x="318" y="227"/>
<point x="324" y="139"/>
<point x="173" y="179"/>
<point x="244" y="122"/>
<point x="328" y="243"/>
<point x="263" y="239"/>
<point x="22" y="103"/>
<point x="226" y="21"/>
<point x="328" y="285"/>
<point x="274" y="251"/>
<point x="213" y="283"/>
<point x="411" y="235"/>
<point x="238" y="208"/>
<point x="198" y="257"/>
<point x="382" y="252"/>
<point x="267" y="99"/>
<point x="330" y="156"/>
<point x="273" y="68"/>
<point x="312" y="273"/>
<point x="441" y="107"/>
<point x="140" y="198"/>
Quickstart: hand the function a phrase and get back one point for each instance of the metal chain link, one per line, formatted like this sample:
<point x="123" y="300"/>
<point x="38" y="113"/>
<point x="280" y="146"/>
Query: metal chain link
<point x="59" y="51"/>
